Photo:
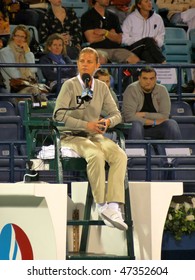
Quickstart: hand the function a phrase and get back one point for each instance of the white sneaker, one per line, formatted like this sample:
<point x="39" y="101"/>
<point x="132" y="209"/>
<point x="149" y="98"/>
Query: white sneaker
<point x="114" y="217"/>
<point x="106" y="222"/>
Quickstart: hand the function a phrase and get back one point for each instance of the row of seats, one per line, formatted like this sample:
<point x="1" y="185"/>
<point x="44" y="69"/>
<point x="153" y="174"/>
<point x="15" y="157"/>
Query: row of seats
<point x="164" y="162"/>
<point x="177" y="47"/>
<point x="181" y="111"/>
<point x="12" y="143"/>
<point x="13" y="131"/>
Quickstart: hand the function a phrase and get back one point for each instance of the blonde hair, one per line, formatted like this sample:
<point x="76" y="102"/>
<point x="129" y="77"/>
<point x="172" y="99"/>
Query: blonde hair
<point x="51" y="38"/>
<point x="22" y="28"/>
<point x="90" y="50"/>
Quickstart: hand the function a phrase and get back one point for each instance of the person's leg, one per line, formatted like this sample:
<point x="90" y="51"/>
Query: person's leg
<point x="176" y="18"/>
<point x="136" y="131"/>
<point x="96" y="151"/>
<point x="122" y="55"/>
<point x="152" y="53"/>
<point x="95" y="163"/>
<point x="147" y="50"/>
<point x="115" y="194"/>
<point x="117" y="161"/>
<point x="169" y="130"/>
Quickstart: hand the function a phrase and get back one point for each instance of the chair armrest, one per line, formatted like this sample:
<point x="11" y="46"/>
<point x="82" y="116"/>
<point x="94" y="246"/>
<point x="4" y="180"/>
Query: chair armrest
<point x="123" y="125"/>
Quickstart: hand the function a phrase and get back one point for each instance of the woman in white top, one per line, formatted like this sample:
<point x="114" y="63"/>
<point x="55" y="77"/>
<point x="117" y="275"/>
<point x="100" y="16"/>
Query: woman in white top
<point x="143" y="32"/>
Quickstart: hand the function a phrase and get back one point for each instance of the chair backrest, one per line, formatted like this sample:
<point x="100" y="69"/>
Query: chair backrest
<point x="80" y="7"/>
<point x="177" y="47"/>
<point x="10" y="127"/>
<point x="14" y="175"/>
<point x="7" y="109"/>
<point x="175" y="33"/>
<point x="12" y="168"/>
<point x="181" y="108"/>
<point x="178" y="52"/>
<point x="182" y="113"/>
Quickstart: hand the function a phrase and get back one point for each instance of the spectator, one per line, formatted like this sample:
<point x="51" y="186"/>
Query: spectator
<point x="4" y="25"/>
<point x="102" y="30"/>
<point x="18" y="51"/>
<point x="179" y="11"/>
<point x="121" y="8"/>
<point x="104" y="76"/>
<point x="147" y="105"/>
<point x="55" y="53"/>
<point x="59" y="19"/>
<point x="83" y="132"/>
<point x="143" y="33"/>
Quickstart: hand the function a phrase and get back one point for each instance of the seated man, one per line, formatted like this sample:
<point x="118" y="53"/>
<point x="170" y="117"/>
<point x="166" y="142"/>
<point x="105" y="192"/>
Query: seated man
<point x="147" y="105"/>
<point x="101" y="29"/>
<point x="84" y="133"/>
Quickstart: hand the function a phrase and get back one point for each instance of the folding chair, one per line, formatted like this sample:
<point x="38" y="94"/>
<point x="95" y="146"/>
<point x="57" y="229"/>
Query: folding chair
<point x="182" y="112"/>
<point x="39" y="128"/>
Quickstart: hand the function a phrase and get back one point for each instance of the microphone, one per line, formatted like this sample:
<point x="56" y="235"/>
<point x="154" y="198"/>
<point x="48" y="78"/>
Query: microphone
<point x="86" y="79"/>
<point x="87" y="94"/>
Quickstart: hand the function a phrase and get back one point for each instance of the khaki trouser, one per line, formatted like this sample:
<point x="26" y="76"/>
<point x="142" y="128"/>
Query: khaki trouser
<point x="97" y="150"/>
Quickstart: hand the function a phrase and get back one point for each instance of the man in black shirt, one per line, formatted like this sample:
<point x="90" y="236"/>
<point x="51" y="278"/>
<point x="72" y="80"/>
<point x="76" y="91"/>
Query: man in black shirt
<point x="147" y="105"/>
<point x="101" y="29"/>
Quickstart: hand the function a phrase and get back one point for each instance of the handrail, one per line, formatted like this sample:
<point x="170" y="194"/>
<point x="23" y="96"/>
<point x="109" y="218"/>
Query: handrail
<point x="119" y="67"/>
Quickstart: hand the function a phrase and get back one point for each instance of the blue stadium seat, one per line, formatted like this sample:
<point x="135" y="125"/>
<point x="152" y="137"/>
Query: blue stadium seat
<point x="80" y="7"/>
<point x="177" y="47"/>
<point x="181" y="108"/>
<point x="182" y="112"/>
<point x="7" y="109"/>
<point x="12" y="166"/>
